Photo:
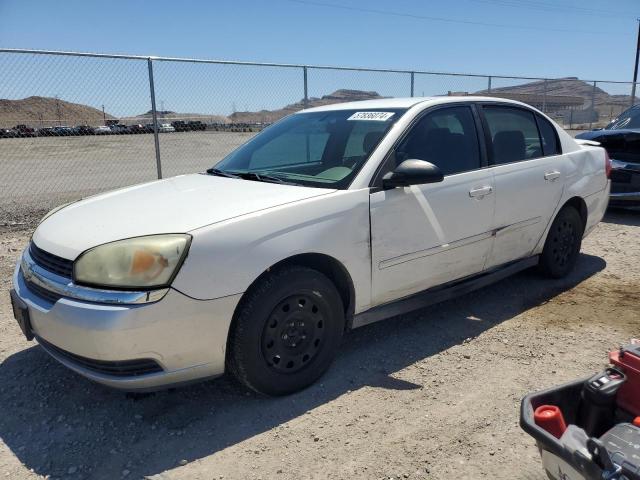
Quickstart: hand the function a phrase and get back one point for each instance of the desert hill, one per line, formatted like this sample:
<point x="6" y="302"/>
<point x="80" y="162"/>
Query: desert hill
<point x="569" y="86"/>
<point x="269" y="116"/>
<point x="168" y="116"/>
<point x="47" y="112"/>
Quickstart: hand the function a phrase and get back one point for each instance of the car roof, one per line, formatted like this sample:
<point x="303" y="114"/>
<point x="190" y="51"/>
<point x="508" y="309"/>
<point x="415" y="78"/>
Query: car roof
<point x="408" y="102"/>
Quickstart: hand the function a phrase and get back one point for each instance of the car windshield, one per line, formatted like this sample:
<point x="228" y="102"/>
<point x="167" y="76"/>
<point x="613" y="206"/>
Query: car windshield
<point x="318" y="149"/>
<point x="630" y="119"/>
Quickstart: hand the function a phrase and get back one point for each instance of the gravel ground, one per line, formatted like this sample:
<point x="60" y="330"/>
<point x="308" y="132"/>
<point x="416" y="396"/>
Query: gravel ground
<point x="40" y="173"/>
<point x="434" y="394"/>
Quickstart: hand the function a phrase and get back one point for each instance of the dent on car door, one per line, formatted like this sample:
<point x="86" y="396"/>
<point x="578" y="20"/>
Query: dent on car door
<point x="426" y="235"/>
<point x="529" y="172"/>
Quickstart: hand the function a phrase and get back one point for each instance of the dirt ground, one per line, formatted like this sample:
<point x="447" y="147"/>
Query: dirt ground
<point x="434" y="394"/>
<point x="41" y="173"/>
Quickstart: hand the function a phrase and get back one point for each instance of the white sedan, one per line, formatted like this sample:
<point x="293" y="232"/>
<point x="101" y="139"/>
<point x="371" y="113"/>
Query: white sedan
<point x="166" y="127"/>
<point x="102" y="130"/>
<point x="330" y="219"/>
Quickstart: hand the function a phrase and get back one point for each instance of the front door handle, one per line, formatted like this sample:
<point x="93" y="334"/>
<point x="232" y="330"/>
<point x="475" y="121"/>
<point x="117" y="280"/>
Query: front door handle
<point x="480" y="191"/>
<point x="552" y="176"/>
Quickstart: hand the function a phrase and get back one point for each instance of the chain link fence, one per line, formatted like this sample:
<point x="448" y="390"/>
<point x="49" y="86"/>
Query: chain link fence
<point x="74" y="124"/>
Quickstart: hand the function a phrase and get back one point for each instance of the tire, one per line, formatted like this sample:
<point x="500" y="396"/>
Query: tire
<point x="286" y="332"/>
<point x="562" y="246"/>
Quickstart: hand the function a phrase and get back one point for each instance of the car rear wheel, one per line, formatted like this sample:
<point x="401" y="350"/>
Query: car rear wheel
<point x="286" y="332"/>
<point x="562" y="246"/>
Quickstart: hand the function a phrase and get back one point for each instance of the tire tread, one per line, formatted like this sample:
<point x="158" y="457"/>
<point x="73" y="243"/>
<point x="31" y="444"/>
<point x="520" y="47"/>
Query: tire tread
<point x="236" y="355"/>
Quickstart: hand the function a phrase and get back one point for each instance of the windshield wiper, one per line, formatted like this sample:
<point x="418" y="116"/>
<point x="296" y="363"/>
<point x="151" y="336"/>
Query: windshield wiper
<point x="262" y="177"/>
<point x="221" y="173"/>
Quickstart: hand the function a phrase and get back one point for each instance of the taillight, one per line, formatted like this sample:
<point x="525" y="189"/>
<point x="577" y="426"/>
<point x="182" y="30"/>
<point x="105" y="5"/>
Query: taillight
<point x="607" y="164"/>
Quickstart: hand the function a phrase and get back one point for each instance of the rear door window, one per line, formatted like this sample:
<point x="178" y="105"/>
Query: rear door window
<point x="514" y="134"/>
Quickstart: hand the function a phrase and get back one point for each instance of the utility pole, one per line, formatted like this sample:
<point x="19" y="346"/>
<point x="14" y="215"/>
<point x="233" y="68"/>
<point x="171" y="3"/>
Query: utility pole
<point x="635" y="68"/>
<point x="104" y="116"/>
<point x="58" y="111"/>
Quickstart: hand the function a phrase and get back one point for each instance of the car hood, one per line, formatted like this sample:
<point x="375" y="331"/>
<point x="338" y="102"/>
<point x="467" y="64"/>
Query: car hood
<point x="175" y="205"/>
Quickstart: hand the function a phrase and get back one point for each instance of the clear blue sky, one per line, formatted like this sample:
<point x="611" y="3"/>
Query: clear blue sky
<point x="585" y="38"/>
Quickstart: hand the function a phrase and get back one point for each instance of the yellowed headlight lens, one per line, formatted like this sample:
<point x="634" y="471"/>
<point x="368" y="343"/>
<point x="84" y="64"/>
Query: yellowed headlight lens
<point x="140" y="262"/>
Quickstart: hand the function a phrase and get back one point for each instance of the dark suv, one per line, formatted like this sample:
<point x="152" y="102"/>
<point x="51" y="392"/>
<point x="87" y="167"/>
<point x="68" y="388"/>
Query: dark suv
<point x="197" y="125"/>
<point x="25" y="131"/>
<point x="621" y="138"/>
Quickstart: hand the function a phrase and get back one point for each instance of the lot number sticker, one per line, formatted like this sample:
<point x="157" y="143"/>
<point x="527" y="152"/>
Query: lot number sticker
<point x="375" y="116"/>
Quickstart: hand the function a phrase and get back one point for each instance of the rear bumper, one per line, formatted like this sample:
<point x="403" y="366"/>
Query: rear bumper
<point x="186" y="338"/>
<point x="622" y="199"/>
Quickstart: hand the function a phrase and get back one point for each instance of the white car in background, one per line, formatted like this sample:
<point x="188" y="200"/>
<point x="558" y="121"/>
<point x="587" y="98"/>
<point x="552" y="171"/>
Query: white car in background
<point x="166" y="127"/>
<point x="330" y="219"/>
<point x="102" y="130"/>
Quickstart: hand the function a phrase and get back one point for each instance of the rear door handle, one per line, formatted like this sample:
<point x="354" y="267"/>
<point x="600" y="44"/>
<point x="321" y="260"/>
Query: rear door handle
<point x="551" y="176"/>
<point x="480" y="191"/>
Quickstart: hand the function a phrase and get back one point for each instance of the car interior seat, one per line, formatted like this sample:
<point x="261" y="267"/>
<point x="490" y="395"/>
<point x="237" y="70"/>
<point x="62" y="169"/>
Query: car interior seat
<point x="509" y="146"/>
<point x="370" y="141"/>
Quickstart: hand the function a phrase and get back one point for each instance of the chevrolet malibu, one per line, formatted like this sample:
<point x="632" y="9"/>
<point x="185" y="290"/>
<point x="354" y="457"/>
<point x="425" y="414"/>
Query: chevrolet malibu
<point x="330" y="219"/>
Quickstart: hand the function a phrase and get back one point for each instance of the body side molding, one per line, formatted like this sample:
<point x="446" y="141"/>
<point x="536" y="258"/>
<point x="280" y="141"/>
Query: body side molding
<point x="441" y="293"/>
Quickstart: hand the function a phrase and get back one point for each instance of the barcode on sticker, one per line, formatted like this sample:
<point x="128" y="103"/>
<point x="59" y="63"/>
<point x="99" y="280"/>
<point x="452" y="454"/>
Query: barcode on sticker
<point x="375" y="116"/>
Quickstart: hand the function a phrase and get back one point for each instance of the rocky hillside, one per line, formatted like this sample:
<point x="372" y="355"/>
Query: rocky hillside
<point x="268" y="116"/>
<point x="47" y="112"/>
<point x="169" y="116"/>
<point x="570" y="86"/>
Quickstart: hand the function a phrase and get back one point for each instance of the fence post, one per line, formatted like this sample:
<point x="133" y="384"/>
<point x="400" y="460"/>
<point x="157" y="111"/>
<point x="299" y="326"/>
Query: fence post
<point x="544" y="97"/>
<point x="593" y="105"/>
<point x="306" y="90"/>
<point x="154" y="114"/>
<point x="412" y="83"/>
<point x="570" y="119"/>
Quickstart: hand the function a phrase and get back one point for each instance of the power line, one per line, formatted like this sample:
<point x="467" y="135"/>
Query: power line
<point x="445" y="19"/>
<point x="556" y="7"/>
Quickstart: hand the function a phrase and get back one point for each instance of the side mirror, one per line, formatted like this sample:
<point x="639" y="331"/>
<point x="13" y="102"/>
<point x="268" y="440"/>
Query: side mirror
<point x="412" y="172"/>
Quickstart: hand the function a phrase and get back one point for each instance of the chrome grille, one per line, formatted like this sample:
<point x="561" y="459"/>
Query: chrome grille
<point x="48" y="295"/>
<point x="53" y="263"/>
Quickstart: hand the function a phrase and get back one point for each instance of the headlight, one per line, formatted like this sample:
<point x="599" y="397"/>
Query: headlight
<point x="141" y="262"/>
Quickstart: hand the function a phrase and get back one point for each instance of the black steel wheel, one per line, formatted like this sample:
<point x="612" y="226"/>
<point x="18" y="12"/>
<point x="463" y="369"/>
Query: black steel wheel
<point x="286" y="331"/>
<point x="294" y="332"/>
<point x="562" y="246"/>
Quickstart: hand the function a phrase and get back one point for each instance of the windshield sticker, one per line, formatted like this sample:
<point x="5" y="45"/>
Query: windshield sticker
<point x="375" y="116"/>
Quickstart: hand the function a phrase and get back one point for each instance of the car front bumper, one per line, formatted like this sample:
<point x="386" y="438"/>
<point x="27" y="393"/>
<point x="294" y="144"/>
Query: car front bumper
<point x="625" y="184"/>
<point x="185" y="338"/>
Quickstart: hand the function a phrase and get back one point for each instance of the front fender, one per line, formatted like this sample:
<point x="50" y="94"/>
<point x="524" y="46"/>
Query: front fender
<point x="226" y="257"/>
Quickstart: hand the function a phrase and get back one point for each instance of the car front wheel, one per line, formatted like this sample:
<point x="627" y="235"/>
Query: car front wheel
<point x="286" y="332"/>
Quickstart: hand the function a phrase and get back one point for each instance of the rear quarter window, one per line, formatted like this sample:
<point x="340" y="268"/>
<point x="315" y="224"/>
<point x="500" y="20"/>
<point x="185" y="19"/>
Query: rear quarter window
<point x="549" y="135"/>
